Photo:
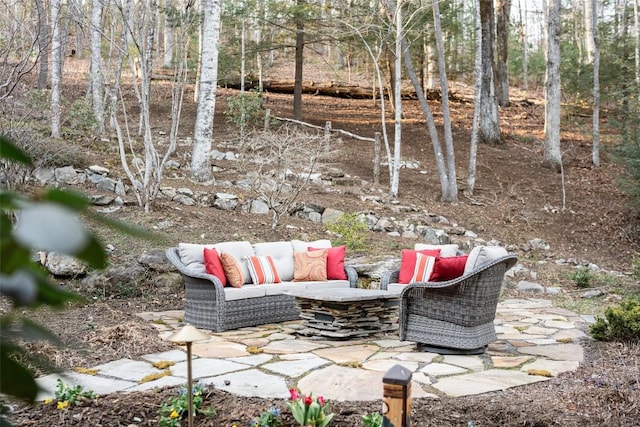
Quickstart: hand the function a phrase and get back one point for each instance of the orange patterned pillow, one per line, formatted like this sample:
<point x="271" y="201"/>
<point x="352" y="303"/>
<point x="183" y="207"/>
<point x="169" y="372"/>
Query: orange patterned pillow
<point x="310" y="266"/>
<point x="232" y="270"/>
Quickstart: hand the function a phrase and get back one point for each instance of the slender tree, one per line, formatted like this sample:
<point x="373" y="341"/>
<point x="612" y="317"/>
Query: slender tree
<point x="552" y="153"/>
<point x="56" y="68"/>
<point x="489" y="129"/>
<point x="43" y="43"/>
<point x="96" y="72"/>
<point x="299" y="59"/>
<point x="200" y="167"/>
<point x="595" y="154"/>
<point x="397" y="99"/>
<point x="503" y="8"/>
<point x="473" y="145"/>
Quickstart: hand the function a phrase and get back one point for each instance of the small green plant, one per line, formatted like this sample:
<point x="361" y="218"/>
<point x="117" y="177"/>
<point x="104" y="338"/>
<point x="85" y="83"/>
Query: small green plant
<point x="80" y="116"/>
<point x="373" y="419"/>
<point x="309" y="411"/>
<point x="582" y="277"/>
<point x="69" y="396"/>
<point x="172" y="413"/>
<point x="635" y="266"/>
<point x="269" y="418"/>
<point x="245" y="109"/>
<point x="350" y="231"/>
<point x="621" y="323"/>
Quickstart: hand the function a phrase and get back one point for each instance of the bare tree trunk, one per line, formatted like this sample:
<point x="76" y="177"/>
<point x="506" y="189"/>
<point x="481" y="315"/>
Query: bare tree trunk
<point x="473" y="145"/>
<point x="43" y="43"/>
<point x="636" y="38"/>
<point x="397" y="100"/>
<point x="96" y="72"/>
<point x="589" y="37"/>
<point x="451" y="195"/>
<point x="595" y="154"/>
<point x="489" y="131"/>
<point x="200" y="167"/>
<point x="502" y="47"/>
<point x="168" y="36"/>
<point x="56" y="68"/>
<point x="299" y="59"/>
<point x="525" y="46"/>
<point x="552" y="153"/>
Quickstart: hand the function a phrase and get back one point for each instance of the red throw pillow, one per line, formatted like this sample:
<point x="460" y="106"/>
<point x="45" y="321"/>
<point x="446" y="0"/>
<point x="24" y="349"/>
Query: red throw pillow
<point x="213" y="265"/>
<point x="408" y="263"/>
<point x="335" y="262"/>
<point x="448" y="268"/>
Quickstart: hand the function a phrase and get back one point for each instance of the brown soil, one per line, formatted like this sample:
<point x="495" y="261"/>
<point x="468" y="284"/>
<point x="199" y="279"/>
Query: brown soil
<point x="516" y="200"/>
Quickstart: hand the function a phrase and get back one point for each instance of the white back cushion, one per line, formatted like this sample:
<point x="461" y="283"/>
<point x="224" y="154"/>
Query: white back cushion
<point x="445" y="250"/>
<point x="282" y="255"/>
<point x="192" y="256"/>
<point x="301" y="246"/>
<point x="482" y="254"/>
<point x="240" y="251"/>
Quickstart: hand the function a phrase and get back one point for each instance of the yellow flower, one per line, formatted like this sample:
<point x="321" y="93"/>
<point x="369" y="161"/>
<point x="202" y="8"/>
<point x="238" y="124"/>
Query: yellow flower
<point x="63" y="405"/>
<point x="47" y="401"/>
<point x="174" y="414"/>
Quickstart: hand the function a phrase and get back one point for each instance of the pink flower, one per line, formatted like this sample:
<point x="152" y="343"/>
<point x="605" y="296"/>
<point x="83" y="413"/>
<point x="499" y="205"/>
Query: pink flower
<point x="294" y="394"/>
<point x="321" y="400"/>
<point x="308" y="400"/>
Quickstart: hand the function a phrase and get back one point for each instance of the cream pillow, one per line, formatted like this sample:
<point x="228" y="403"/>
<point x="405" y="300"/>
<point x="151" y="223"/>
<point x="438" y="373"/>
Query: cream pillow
<point x="481" y="255"/>
<point x="445" y="250"/>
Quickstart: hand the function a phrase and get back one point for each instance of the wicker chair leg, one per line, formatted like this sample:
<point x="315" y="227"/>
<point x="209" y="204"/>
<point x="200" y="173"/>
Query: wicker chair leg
<point x="452" y="351"/>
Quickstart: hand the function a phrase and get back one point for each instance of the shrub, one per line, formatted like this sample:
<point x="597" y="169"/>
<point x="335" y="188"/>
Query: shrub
<point x="245" y="109"/>
<point x="350" y="231"/>
<point x="582" y="277"/>
<point x="621" y="323"/>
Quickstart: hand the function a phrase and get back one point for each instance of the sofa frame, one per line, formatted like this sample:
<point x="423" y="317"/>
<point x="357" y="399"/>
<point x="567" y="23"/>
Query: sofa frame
<point x="207" y="308"/>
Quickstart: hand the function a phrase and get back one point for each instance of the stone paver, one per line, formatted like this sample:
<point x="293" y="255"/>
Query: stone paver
<point x="265" y="361"/>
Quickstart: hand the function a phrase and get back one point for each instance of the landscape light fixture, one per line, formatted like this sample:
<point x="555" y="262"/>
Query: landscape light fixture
<point x="188" y="334"/>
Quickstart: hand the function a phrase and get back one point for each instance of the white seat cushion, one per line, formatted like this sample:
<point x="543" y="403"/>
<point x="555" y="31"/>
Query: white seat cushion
<point x="246" y="291"/>
<point x="395" y="288"/>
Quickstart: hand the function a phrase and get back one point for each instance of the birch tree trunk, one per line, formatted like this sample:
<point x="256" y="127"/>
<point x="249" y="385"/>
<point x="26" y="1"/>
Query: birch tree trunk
<point x="451" y="194"/>
<point x="299" y="59"/>
<point x="552" y="154"/>
<point x="502" y="46"/>
<point x="168" y="35"/>
<point x="589" y="37"/>
<point x="489" y="128"/>
<point x="595" y="154"/>
<point x="473" y="145"/>
<point x="397" y="100"/>
<point x="43" y="43"/>
<point x="96" y="71"/>
<point x="525" y="46"/>
<point x="56" y="67"/>
<point x="636" y="38"/>
<point x="200" y="167"/>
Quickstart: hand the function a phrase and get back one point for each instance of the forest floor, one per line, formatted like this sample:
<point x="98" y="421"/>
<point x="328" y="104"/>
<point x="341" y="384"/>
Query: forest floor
<point x="584" y="216"/>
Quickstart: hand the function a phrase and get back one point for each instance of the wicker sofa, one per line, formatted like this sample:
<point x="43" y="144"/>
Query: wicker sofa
<point x="454" y="316"/>
<point x="210" y="305"/>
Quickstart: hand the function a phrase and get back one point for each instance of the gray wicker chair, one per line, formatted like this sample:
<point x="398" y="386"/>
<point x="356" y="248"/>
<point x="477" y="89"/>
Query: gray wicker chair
<point x="456" y="316"/>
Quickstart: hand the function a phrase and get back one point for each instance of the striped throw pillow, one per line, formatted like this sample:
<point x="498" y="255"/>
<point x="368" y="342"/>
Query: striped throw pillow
<point x="262" y="270"/>
<point x="423" y="268"/>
